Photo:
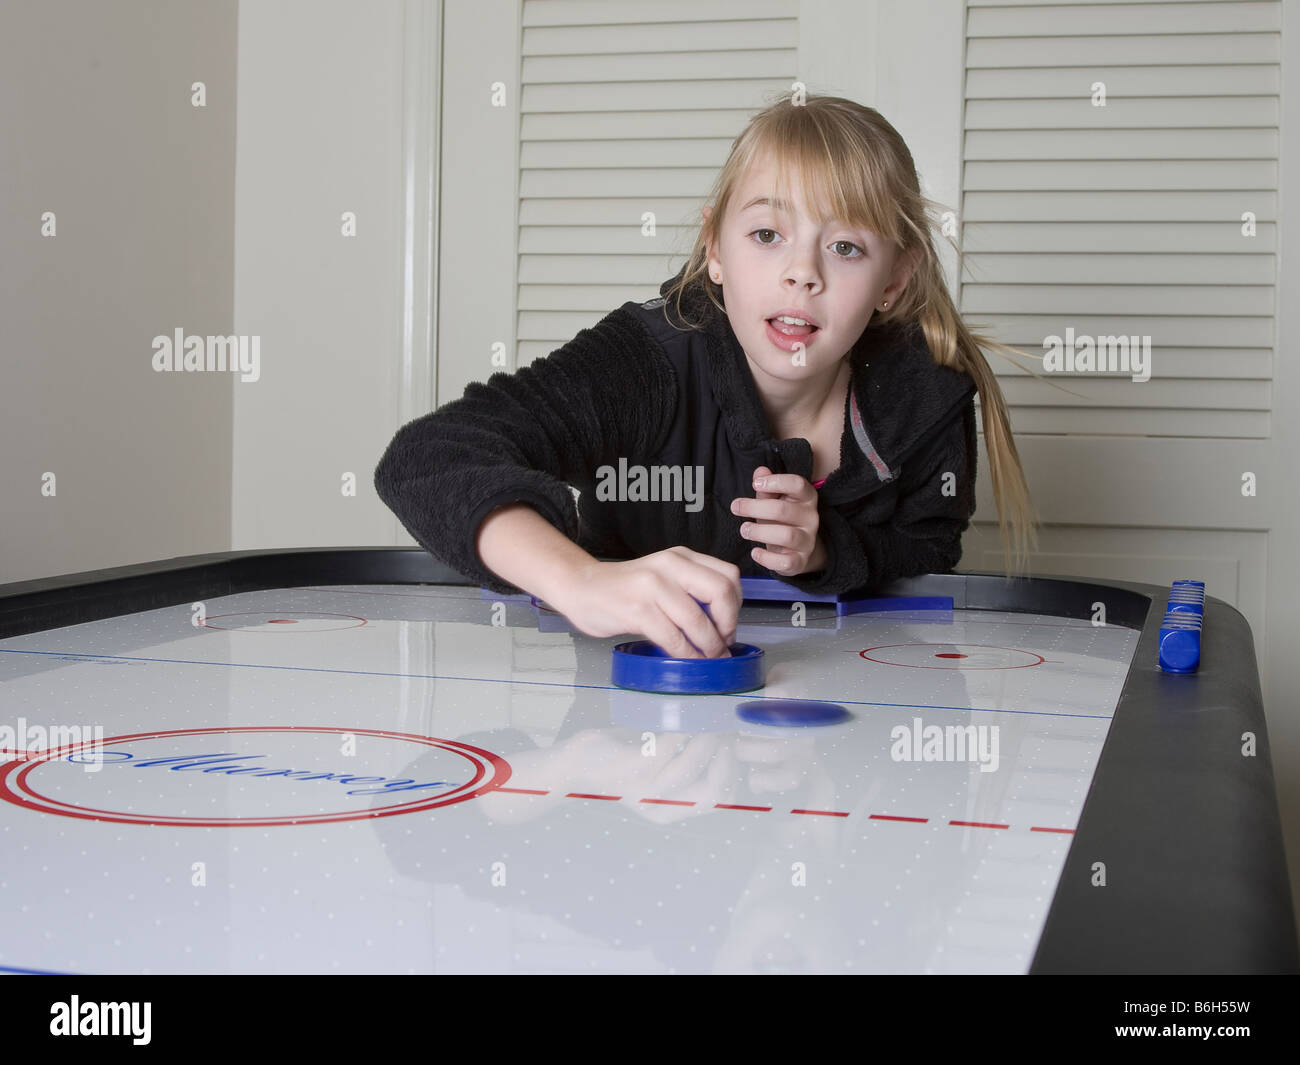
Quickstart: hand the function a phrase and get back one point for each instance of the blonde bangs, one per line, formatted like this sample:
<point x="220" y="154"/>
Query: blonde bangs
<point x="837" y="180"/>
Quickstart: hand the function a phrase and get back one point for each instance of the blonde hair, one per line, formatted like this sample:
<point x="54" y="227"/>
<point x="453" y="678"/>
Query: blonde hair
<point x="853" y="167"/>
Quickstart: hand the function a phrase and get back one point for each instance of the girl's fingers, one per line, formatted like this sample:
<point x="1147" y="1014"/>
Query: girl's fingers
<point x="777" y="563"/>
<point x="791" y="536"/>
<point x="790" y="484"/>
<point x="664" y="631"/>
<point x="712" y="583"/>
<point x="698" y="626"/>
<point x="781" y="510"/>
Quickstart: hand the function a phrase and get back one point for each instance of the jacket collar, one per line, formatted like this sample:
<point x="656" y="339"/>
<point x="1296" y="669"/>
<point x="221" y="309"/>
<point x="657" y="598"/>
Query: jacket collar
<point x="898" y="396"/>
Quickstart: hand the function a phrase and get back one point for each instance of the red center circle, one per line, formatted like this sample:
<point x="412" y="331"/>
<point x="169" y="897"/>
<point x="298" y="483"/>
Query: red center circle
<point x="15" y="787"/>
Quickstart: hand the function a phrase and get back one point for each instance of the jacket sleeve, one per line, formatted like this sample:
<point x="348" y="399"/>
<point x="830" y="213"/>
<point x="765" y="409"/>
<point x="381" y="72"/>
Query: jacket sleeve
<point x="924" y="533"/>
<point x="521" y="437"/>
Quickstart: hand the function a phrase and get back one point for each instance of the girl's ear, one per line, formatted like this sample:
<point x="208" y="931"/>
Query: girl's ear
<point x="904" y="267"/>
<point x="710" y="246"/>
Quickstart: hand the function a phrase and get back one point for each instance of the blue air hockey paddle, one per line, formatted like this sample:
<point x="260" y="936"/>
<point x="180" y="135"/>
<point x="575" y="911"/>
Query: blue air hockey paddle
<point x="645" y="666"/>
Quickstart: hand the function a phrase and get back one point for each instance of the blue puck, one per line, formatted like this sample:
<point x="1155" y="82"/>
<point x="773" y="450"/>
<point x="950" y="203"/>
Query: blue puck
<point x="1180" y="645"/>
<point x="644" y="666"/>
<point x="791" y="712"/>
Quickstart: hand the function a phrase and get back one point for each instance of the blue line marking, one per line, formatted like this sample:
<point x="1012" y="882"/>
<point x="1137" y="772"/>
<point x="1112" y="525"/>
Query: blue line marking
<point x="535" y="683"/>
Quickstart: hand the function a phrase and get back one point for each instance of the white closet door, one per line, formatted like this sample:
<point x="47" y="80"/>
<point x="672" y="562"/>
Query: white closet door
<point x="1155" y="216"/>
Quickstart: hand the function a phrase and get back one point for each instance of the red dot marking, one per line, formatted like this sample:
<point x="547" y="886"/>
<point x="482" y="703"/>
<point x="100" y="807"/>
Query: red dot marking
<point x="824" y="813"/>
<point x="584" y="795"/>
<point x="1066" y="831"/>
<point x="949" y="654"/>
<point x="733" y="806"/>
<point x="977" y="824"/>
<point x="890" y="817"/>
<point x="669" y="802"/>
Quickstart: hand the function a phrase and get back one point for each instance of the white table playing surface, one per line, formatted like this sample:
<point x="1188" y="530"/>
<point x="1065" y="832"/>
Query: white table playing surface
<point x="550" y="821"/>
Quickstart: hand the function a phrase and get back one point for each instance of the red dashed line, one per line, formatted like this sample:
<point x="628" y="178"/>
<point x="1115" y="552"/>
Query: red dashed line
<point x="768" y="809"/>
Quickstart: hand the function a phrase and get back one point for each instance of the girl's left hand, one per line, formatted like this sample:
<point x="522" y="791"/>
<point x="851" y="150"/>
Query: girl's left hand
<point x="786" y="521"/>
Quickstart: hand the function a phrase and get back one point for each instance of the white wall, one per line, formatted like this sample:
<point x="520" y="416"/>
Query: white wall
<point x="98" y="128"/>
<point x="320" y="134"/>
<point x="158" y="228"/>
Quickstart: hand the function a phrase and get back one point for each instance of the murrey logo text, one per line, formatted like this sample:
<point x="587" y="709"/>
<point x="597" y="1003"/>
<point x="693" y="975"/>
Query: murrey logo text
<point x="102" y="1018"/>
<point x="211" y="763"/>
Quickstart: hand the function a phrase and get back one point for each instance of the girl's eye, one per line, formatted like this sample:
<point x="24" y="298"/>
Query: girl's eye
<point x="838" y="244"/>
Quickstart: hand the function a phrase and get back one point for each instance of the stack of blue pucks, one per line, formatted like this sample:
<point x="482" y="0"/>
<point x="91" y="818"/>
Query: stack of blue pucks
<point x="1180" y="631"/>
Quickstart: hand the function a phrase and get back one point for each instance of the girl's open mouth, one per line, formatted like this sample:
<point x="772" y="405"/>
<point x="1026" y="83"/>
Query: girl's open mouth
<point x="790" y="337"/>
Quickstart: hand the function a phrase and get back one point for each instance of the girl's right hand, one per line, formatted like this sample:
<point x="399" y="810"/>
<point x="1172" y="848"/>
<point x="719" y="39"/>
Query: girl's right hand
<point x="656" y="597"/>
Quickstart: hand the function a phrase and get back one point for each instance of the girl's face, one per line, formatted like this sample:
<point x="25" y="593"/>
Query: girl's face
<point x="774" y="259"/>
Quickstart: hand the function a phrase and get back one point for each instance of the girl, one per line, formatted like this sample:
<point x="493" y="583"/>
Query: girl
<point x="799" y="403"/>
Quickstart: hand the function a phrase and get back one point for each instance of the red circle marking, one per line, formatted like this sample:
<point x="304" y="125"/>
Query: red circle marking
<point x="22" y="794"/>
<point x="1038" y="659"/>
<point x="283" y="621"/>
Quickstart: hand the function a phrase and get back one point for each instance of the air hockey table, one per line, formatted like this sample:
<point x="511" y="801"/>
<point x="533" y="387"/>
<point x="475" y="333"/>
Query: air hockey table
<point x="355" y="760"/>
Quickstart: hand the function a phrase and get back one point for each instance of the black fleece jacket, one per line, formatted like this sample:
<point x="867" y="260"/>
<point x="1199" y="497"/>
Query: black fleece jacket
<point x="641" y="387"/>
